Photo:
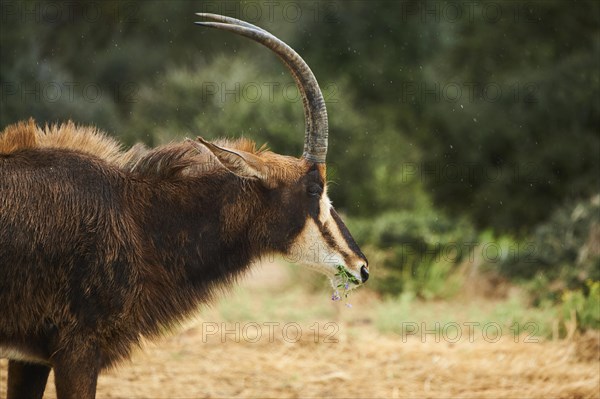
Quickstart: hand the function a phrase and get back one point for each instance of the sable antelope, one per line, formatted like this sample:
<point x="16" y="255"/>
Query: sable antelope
<point x="100" y="247"/>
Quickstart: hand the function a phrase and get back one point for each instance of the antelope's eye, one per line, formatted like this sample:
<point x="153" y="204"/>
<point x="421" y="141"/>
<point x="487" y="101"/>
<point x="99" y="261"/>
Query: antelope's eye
<point x="314" y="190"/>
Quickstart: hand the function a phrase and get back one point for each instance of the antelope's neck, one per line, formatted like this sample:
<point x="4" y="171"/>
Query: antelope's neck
<point x="198" y="242"/>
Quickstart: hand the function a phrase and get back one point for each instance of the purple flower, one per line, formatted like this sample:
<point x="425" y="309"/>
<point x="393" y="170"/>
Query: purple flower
<point x="346" y="286"/>
<point x="348" y="305"/>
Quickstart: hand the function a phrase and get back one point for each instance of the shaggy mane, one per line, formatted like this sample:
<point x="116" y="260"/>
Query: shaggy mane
<point x="164" y="161"/>
<point x="85" y="139"/>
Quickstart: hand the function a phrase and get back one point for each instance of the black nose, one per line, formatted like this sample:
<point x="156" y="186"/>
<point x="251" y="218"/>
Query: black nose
<point x="364" y="274"/>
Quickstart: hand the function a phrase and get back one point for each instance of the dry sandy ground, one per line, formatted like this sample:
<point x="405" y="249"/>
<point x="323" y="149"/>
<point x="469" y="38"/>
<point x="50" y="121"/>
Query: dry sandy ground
<point x="365" y="366"/>
<point x="358" y="362"/>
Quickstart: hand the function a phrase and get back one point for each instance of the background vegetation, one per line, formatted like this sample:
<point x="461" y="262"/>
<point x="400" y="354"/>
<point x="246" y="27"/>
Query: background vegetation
<point x="465" y="140"/>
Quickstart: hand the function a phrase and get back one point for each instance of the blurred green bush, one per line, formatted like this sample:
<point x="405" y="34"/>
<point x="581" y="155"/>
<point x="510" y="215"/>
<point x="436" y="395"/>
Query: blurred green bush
<point x="415" y="252"/>
<point x="561" y="254"/>
<point x="509" y="109"/>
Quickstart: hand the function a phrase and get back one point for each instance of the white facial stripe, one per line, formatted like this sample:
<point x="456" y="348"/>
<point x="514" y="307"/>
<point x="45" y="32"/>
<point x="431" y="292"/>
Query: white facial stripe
<point x="327" y="221"/>
<point x="312" y="248"/>
<point x="324" y="207"/>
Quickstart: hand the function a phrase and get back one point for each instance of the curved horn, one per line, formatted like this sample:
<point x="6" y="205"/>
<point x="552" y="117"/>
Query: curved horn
<point x="294" y="72"/>
<point x="315" y="112"/>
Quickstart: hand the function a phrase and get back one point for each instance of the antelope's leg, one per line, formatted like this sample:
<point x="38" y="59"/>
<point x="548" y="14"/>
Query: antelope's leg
<point x="76" y="376"/>
<point x="26" y="380"/>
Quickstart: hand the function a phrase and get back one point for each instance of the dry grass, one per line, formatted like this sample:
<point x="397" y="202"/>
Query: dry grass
<point x="364" y="366"/>
<point x="363" y="363"/>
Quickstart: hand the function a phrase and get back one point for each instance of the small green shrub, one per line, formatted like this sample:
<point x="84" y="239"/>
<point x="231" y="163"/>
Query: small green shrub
<point x="585" y="303"/>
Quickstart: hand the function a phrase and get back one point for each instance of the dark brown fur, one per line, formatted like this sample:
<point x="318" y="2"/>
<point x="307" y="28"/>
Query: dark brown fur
<point x="97" y="250"/>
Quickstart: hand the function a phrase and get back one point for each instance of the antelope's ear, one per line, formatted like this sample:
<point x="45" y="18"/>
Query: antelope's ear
<point x="242" y="163"/>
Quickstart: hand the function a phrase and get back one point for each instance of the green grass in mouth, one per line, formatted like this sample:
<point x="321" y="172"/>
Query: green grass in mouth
<point x="346" y="278"/>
